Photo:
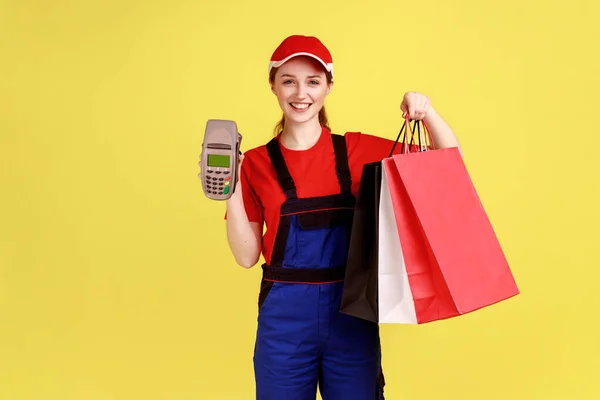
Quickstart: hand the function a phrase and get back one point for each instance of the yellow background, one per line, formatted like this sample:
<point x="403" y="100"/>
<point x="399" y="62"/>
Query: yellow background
<point x="115" y="277"/>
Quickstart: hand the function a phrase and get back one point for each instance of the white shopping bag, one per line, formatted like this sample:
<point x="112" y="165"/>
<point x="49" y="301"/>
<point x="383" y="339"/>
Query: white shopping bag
<point x="395" y="299"/>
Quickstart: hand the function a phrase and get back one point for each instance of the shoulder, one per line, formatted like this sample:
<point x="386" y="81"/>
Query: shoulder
<point x="365" y="143"/>
<point x="352" y="139"/>
<point x="364" y="147"/>
<point x="355" y="137"/>
<point x="256" y="153"/>
<point x="256" y="160"/>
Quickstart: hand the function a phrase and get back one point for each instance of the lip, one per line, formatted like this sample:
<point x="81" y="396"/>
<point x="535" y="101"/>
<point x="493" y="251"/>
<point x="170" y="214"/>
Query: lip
<point x="298" y="109"/>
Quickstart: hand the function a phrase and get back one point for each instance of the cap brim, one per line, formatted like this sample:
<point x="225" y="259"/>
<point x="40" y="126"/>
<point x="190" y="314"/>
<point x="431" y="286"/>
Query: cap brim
<point x="276" y="64"/>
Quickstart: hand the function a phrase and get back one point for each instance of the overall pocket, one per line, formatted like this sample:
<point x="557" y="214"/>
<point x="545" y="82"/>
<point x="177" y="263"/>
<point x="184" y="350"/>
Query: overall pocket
<point x="320" y="238"/>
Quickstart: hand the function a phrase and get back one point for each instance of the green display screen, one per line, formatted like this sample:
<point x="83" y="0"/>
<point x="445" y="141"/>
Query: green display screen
<point x="217" y="160"/>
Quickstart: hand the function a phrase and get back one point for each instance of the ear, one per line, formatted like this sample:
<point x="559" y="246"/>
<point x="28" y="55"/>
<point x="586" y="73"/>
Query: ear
<point x="272" y="84"/>
<point x="329" y="87"/>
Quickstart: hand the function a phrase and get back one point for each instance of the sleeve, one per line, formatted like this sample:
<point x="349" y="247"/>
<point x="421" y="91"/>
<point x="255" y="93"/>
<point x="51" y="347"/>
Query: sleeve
<point x="251" y="201"/>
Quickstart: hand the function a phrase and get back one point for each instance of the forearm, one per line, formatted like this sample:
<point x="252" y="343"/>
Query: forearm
<point x="244" y="237"/>
<point x="442" y="134"/>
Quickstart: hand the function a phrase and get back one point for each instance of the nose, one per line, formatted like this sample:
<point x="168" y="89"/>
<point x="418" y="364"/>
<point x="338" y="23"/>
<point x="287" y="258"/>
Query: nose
<point x="301" y="91"/>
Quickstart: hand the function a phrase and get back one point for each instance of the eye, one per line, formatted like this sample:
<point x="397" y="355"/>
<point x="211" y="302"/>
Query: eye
<point x="287" y="81"/>
<point x="314" y="82"/>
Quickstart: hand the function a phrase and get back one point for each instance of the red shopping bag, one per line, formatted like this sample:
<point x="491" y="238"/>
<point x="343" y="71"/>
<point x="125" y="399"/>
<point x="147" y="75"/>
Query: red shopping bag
<point x="451" y="260"/>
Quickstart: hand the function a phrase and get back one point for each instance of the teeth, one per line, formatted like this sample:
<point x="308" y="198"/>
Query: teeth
<point x="300" y="106"/>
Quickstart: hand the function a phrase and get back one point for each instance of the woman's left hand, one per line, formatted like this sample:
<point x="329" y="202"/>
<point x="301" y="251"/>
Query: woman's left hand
<point x="416" y="104"/>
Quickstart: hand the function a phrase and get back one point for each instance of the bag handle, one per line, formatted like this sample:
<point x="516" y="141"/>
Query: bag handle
<point x="422" y="136"/>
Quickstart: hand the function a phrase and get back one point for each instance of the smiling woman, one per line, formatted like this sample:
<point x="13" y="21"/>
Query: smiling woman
<point x="302" y="185"/>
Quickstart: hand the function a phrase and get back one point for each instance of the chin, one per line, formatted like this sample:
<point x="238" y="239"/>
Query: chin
<point x="299" y="119"/>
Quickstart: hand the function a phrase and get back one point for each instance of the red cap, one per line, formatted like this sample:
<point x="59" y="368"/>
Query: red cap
<point x="298" y="45"/>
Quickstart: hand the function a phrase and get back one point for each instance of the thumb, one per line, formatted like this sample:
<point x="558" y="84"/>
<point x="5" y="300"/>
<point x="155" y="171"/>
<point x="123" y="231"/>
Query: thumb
<point x="404" y="109"/>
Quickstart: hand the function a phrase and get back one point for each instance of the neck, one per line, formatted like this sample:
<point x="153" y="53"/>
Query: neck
<point x="301" y="136"/>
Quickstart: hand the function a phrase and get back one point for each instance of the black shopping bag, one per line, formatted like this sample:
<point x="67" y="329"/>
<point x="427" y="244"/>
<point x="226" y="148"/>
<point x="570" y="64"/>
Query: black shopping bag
<point x="359" y="297"/>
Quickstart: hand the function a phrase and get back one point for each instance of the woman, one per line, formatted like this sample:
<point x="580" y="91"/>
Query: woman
<point x="302" y="186"/>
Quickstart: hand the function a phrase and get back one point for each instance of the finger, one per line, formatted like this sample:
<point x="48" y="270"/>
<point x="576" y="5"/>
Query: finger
<point x="425" y="107"/>
<point x="418" y="114"/>
<point x="403" y="107"/>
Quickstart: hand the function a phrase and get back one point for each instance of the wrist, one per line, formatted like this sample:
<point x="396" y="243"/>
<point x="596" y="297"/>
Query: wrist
<point x="236" y="196"/>
<point x="431" y="114"/>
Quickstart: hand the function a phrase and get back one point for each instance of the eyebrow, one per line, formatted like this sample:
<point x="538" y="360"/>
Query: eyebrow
<point x="309" y="77"/>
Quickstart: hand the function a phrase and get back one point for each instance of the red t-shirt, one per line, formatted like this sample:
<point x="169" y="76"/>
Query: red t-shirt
<point x="313" y="171"/>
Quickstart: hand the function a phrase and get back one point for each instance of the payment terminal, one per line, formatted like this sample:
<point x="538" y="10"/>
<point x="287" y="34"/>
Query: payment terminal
<point x="219" y="160"/>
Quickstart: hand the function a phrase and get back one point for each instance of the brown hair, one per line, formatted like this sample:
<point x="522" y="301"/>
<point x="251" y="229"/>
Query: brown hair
<point x="322" y="113"/>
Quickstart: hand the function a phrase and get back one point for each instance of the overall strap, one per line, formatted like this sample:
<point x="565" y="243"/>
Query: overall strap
<point x="341" y="163"/>
<point x="283" y="174"/>
<point x="285" y="179"/>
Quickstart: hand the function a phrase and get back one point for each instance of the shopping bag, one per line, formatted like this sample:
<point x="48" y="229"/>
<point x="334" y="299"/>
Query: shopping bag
<point x="359" y="296"/>
<point x="446" y="259"/>
<point x="360" y="292"/>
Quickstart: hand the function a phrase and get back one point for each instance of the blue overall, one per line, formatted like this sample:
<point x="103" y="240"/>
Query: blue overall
<point x="303" y="341"/>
